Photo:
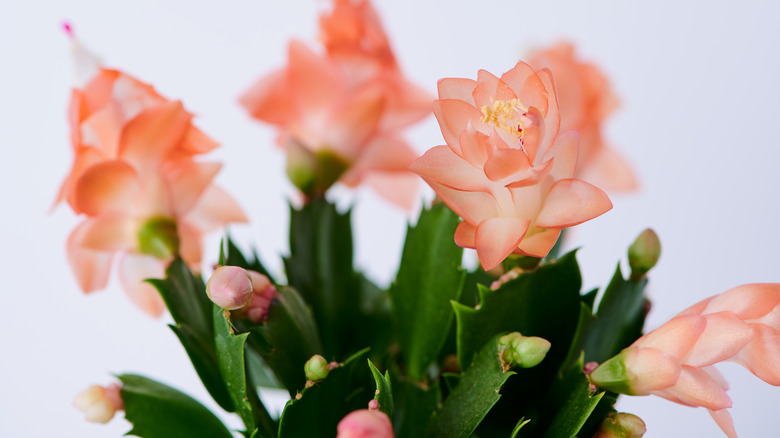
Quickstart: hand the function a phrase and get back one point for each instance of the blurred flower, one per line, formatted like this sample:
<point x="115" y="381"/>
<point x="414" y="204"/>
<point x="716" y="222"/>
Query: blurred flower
<point x="229" y="287"/>
<point x="99" y="403"/>
<point x="505" y="170"/>
<point x="340" y="113"/>
<point x="585" y="100"/>
<point x="675" y="360"/>
<point x="365" y="423"/>
<point x="135" y="179"/>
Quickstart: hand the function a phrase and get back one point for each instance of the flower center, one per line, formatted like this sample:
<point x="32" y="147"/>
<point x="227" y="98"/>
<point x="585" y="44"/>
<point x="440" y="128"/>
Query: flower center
<point x="506" y="115"/>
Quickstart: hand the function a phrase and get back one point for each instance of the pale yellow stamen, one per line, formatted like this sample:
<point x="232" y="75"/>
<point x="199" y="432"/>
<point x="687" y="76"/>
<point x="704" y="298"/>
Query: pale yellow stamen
<point x="505" y="115"/>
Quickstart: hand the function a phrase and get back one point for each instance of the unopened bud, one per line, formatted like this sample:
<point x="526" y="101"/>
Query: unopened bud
<point x="365" y="423"/>
<point x="621" y="425"/>
<point x="643" y="254"/>
<point x="158" y="237"/>
<point x="99" y="404"/>
<point x="316" y="368"/>
<point x="521" y="351"/>
<point x="229" y="287"/>
<point x="263" y="293"/>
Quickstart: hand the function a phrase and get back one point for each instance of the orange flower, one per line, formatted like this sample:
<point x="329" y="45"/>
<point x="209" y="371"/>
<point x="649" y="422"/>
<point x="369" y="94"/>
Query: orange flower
<point x="675" y="361"/>
<point x="586" y="100"/>
<point x="135" y="179"/>
<point x="339" y="114"/>
<point x="505" y="170"/>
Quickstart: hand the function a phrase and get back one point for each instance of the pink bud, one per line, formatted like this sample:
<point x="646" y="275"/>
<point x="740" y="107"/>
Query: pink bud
<point x="365" y="423"/>
<point x="99" y="404"/>
<point x="230" y="287"/>
<point x="263" y="293"/>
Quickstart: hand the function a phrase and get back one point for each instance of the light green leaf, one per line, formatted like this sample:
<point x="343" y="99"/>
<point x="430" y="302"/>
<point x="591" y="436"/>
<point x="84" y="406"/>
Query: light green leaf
<point x="384" y="391"/>
<point x="230" y="357"/>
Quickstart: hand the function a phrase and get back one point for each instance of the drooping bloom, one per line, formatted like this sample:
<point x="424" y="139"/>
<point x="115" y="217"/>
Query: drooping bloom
<point x="135" y="180"/>
<point x="99" y="403"/>
<point x="506" y="170"/>
<point x="586" y="100"/>
<point x="339" y="114"/>
<point x="675" y="361"/>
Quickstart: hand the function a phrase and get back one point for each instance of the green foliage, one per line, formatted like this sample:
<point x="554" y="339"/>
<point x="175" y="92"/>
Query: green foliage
<point x="571" y="403"/>
<point x="320" y="407"/>
<point x="543" y="303"/>
<point x="230" y="255"/>
<point x="472" y="398"/>
<point x="415" y="403"/>
<point x="159" y="411"/>
<point x="384" y="391"/>
<point x="619" y="319"/>
<point x="320" y="268"/>
<point x="185" y="296"/>
<point x="230" y="357"/>
<point x="288" y="339"/>
<point x="428" y="278"/>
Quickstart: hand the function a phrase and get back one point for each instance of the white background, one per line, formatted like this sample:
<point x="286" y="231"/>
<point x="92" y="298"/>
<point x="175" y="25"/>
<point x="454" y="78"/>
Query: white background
<point x="700" y="86"/>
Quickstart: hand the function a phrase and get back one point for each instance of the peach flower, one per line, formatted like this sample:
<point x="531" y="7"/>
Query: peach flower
<point x="675" y="361"/>
<point x="586" y="100"/>
<point x="365" y="423"/>
<point x="339" y="114"/>
<point x="505" y="170"/>
<point x="135" y="179"/>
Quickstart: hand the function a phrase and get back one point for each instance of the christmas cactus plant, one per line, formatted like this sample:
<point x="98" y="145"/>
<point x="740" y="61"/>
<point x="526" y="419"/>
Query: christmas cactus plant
<point x="509" y="347"/>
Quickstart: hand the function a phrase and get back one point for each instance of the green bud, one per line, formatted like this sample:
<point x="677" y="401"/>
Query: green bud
<point x="521" y="351"/>
<point x="313" y="172"/>
<point x="316" y="368"/>
<point x="621" y="425"/>
<point x="611" y="375"/>
<point x="158" y="237"/>
<point x="643" y="254"/>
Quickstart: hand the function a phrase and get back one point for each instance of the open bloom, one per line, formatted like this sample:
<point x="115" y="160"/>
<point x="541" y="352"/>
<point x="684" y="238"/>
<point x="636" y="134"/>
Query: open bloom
<point x="135" y="179"/>
<point x="339" y="113"/>
<point x="505" y="169"/>
<point x="675" y="361"/>
<point x="585" y="100"/>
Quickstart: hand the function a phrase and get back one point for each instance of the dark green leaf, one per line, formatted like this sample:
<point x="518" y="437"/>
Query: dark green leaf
<point x="428" y="278"/>
<point x="159" y="411"/>
<point x="520" y="424"/>
<point x="230" y="357"/>
<point x="473" y="397"/>
<point x="619" y="320"/>
<point x="288" y="339"/>
<point x="185" y="296"/>
<point x="414" y="406"/>
<point x="544" y="302"/>
<point x="260" y="374"/>
<point x="572" y="402"/>
<point x="384" y="391"/>
<point x="320" y="268"/>
<point x="319" y="408"/>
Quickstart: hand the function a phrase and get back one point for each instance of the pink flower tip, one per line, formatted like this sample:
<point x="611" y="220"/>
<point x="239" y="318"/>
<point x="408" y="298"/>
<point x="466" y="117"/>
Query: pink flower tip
<point x="373" y="405"/>
<point x="230" y="287"/>
<point x="263" y="294"/>
<point x="68" y="28"/>
<point x="365" y="423"/>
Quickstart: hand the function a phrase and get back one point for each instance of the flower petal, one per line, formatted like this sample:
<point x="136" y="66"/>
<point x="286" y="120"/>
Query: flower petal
<point x="698" y="388"/>
<point x="609" y="170"/>
<point x="269" y="100"/>
<point x="676" y="337"/>
<point x="399" y="188"/>
<point x="471" y="206"/>
<point x="503" y="163"/>
<point x="465" y="235"/>
<point x="197" y="142"/>
<point x="133" y="270"/>
<point x="749" y="301"/>
<point x="497" y="237"/>
<point x="106" y="187"/>
<point x="490" y="89"/>
<point x="314" y="81"/>
<point x="565" y="151"/>
<point x="762" y="355"/>
<point x="723" y="337"/>
<point x="571" y="202"/>
<point x="214" y="210"/>
<point x="187" y="181"/>
<point x="457" y="88"/>
<point x="454" y="117"/>
<point x="91" y="267"/>
<point x="539" y="244"/>
<point x="723" y="419"/>
<point x="154" y="133"/>
<point x="441" y="165"/>
<point x="113" y="232"/>
<point x="528" y="87"/>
